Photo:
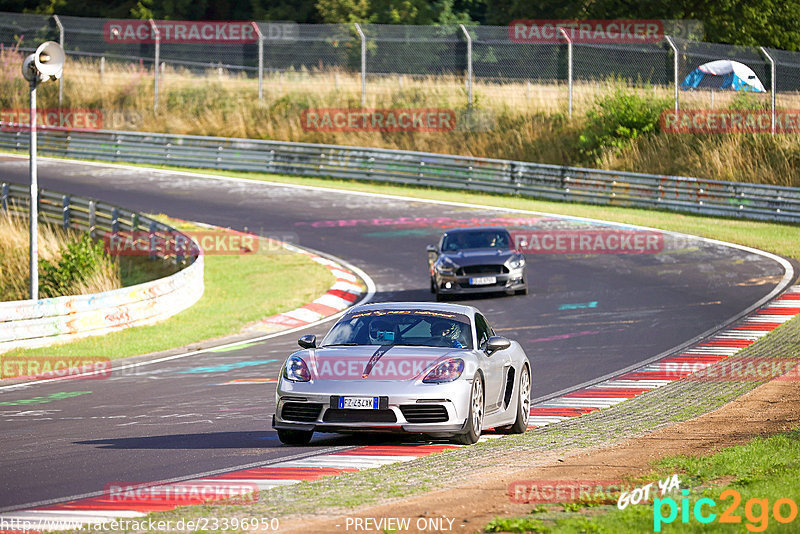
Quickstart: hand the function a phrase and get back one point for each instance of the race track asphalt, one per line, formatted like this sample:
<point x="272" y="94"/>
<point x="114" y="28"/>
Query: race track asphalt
<point x="585" y="316"/>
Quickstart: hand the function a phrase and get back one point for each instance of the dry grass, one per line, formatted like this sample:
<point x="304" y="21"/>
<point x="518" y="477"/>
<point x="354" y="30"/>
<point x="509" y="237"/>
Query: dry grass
<point x="14" y="259"/>
<point x="530" y="119"/>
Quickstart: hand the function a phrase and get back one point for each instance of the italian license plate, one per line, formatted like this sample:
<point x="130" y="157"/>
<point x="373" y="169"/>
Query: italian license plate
<point x="359" y="403"/>
<point x="482" y="280"/>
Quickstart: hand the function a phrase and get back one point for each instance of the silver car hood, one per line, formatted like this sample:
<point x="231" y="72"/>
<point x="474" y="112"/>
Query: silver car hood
<point x="389" y="362"/>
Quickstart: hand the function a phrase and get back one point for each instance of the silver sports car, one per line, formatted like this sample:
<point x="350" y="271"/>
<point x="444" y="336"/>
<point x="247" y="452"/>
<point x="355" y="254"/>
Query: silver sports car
<point x="476" y="260"/>
<point x="423" y="368"/>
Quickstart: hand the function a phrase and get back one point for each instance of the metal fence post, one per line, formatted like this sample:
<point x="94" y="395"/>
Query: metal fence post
<point x="675" y="67"/>
<point x="569" y="66"/>
<point x="363" y="65"/>
<point x="469" y="64"/>
<point x="61" y="42"/>
<point x="65" y="214"/>
<point x="772" y="73"/>
<point x="260" y="61"/>
<point x="155" y="66"/>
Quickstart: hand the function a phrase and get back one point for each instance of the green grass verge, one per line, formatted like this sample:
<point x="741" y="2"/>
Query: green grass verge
<point x="239" y="289"/>
<point x="766" y="469"/>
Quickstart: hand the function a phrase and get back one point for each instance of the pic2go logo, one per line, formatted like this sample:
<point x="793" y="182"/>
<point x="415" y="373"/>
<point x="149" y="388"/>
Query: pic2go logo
<point x="756" y="511"/>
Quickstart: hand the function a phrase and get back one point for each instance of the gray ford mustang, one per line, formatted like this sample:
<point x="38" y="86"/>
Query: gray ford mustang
<point x="476" y="260"/>
<point x="422" y="368"/>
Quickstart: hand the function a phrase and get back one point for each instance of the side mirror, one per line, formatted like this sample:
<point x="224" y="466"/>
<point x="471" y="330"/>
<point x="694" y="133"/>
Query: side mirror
<point x="308" y="341"/>
<point x="495" y="343"/>
<point x="431" y="248"/>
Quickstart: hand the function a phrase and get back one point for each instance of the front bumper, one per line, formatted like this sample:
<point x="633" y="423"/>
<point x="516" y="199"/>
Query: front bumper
<point x="409" y="407"/>
<point x="452" y="284"/>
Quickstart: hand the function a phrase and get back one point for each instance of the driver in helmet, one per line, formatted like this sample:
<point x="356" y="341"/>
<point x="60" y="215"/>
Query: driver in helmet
<point x="382" y="332"/>
<point x="447" y="332"/>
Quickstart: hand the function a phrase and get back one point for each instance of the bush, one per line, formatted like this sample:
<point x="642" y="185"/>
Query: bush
<point x="79" y="261"/>
<point x="745" y="101"/>
<point x="616" y="120"/>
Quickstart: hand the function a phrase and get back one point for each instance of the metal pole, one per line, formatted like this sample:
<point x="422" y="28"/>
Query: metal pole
<point x="569" y="66"/>
<point x="155" y="66"/>
<point x="772" y="84"/>
<point x="60" y="42"/>
<point x="363" y="65"/>
<point x="469" y="64"/>
<point x="260" y="62"/>
<point x="33" y="214"/>
<point x="675" y="67"/>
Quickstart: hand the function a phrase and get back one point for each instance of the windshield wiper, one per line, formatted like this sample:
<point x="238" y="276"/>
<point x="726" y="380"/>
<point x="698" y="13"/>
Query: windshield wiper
<point x="340" y="345"/>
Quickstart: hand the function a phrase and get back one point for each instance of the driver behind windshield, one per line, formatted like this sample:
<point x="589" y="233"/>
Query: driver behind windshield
<point x="444" y="333"/>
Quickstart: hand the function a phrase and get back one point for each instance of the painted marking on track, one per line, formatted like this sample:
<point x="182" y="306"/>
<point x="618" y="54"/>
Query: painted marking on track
<point x="250" y="381"/>
<point x="578" y="306"/>
<point x="228" y="349"/>
<point x="226" y="367"/>
<point x="48" y="398"/>
<point x="564" y="336"/>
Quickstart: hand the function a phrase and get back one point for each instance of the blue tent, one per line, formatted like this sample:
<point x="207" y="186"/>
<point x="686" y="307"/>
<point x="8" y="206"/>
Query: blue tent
<point x="734" y="76"/>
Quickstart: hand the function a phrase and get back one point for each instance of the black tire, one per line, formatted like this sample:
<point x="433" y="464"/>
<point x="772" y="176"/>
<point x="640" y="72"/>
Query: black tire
<point x="523" y="291"/>
<point x="475" y="418"/>
<point x="440" y="297"/>
<point x="294" y="437"/>
<point x="433" y="286"/>
<point x="523" y="405"/>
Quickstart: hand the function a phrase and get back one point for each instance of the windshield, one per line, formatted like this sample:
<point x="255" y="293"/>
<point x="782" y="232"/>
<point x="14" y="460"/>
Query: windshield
<point x="499" y="239"/>
<point x="402" y="327"/>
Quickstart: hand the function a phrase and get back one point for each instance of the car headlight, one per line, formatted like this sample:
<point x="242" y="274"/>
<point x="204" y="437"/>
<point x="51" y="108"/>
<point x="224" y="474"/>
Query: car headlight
<point x="446" y="371"/>
<point x="296" y="370"/>
<point x="446" y="265"/>
<point x="517" y="262"/>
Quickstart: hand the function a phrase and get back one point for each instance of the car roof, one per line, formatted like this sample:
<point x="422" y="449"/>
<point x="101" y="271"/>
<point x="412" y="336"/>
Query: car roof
<point x="432" y="306"/>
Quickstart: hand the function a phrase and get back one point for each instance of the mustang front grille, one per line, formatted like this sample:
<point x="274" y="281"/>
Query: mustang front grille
<point x="482" y="269"/>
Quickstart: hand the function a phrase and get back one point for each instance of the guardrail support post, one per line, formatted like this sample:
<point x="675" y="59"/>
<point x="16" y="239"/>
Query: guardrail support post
<point x="675" y="67"/>
<point x="152" y="239"/>
<point x="114" y="221"/>
<point x="61" y="42"/>
<point x="4" y="198"/>
<point x="469" y="64"/>
<point x="155" y="65"/>
<point x="566" y="37"/>
<point x="363" y="65"/>
<point x="92" y="217"/>
<point x="65" y="210"/>
<point x="772" y="73"/>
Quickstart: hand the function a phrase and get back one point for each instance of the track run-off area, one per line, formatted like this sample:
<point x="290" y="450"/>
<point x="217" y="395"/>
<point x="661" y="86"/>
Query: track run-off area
<point x="586" y="319"/>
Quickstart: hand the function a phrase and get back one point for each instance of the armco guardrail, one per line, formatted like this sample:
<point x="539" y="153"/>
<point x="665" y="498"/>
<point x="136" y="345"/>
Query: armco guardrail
<point x="36" y="323"/>
<point x="707" y="197"/>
